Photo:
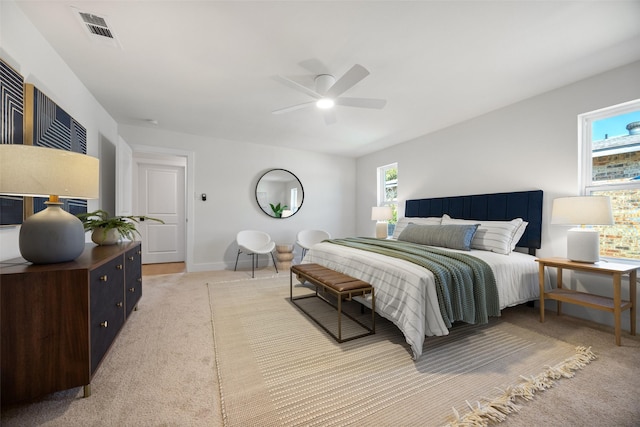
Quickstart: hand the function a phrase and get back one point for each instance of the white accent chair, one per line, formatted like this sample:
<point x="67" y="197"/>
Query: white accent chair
<point x="254" y="243"/>
<point x="307" y="238"/>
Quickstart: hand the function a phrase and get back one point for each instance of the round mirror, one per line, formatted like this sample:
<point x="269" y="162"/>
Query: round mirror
<point x="279" y="193"/>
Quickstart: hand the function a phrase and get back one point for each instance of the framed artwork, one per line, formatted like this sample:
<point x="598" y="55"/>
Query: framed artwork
<point x="11" y="132"/>
<point x="48" y="125"/>
<point x="30" y="117"/>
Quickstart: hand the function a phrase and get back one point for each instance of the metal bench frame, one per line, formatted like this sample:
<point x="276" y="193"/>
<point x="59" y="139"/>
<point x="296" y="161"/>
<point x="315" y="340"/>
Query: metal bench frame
<point x="338" y="284"/>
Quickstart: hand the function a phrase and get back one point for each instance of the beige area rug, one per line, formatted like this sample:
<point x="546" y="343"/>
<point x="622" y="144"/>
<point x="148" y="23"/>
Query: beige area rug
<point x="278" y="368"/>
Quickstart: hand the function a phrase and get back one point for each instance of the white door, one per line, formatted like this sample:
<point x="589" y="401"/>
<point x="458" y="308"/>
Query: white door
<point x="161" y="194"/>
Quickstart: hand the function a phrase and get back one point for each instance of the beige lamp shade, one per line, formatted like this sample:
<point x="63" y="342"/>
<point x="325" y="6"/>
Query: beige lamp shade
<point x="582" y="210"/>
<point x="381" y="213"/>
<point x="27" y="170"/>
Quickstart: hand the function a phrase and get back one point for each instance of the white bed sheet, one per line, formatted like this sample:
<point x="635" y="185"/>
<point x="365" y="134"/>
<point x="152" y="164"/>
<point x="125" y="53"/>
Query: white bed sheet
<point x="405" y="292"/>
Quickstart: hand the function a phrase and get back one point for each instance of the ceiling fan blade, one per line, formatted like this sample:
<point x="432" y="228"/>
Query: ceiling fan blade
<point x="361" y="102"/>
<point x="297" y="86"/>
<point x="294" y="107"/>
<point x="329" y="116"/>
<point x="348" y="80"/>
<point x="314" y="66"/>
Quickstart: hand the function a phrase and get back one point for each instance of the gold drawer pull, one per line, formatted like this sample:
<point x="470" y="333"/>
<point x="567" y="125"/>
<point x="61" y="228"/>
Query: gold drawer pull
<point x="139" y="279"/>
<point x="132" y="289"/>
<point x="104" y="324"/>
<point x="119" y="305"/>
<point x="131" y="258"/>
<point x="103" y="278"/>
<point x="139" y="252"/>
<point x="119" y="267"/>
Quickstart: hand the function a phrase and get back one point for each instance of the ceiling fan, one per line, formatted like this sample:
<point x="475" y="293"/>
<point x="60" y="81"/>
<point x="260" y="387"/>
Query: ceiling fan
<point x="327" y="93"/>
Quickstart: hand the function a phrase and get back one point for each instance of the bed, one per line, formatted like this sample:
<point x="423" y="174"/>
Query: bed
<point x="408" y="293"/>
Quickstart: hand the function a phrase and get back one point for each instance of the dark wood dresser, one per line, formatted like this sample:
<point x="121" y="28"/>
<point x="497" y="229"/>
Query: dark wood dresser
<point x="59" y="320"/>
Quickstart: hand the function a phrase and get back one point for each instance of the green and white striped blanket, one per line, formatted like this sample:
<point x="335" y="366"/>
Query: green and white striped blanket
<point x="465" y="285"/>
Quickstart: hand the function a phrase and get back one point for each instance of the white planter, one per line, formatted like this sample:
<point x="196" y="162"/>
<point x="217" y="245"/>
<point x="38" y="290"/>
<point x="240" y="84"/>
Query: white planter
<point x="99" y="237"/>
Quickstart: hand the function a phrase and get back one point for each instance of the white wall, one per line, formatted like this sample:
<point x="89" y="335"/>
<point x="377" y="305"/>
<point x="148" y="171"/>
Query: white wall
<point x="228" y="172"/>
<point x="529" y="145"/>
<point x="24" y="48"/>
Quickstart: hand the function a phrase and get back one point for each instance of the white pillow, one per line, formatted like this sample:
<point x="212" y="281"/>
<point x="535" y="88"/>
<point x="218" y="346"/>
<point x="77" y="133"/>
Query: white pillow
<point x="402" y="223"/>
<point x="494" y="236"/>
<point x="518" y="234"/>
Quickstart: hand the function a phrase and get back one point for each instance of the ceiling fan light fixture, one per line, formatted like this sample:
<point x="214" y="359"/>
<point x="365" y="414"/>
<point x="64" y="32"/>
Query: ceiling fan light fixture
<point x="325" y="103"/>
<point x="328" y="93"/>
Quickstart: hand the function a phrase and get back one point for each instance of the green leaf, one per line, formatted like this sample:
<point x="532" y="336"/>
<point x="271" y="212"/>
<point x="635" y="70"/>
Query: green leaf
<point x="125" y="225"/>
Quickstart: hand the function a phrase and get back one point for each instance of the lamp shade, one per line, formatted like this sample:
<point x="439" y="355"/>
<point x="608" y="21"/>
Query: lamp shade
<point x="381" y="213"/>
<point x="582" y="210"/>
<point x="27" y="170"/>
<point x="52" y="235"/>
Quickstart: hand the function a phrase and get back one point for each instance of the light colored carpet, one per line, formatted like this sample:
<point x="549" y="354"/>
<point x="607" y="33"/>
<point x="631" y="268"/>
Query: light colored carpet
<point x="161" y="370"/>
<point x="279" y="368"/>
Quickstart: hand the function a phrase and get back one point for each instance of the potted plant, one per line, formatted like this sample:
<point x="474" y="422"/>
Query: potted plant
<point x="277" y="209"/>
<point x="108" y="230"/>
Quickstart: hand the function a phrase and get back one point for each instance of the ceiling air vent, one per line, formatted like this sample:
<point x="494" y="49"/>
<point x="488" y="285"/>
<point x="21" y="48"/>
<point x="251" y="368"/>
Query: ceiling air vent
<point x="97" y="28"/>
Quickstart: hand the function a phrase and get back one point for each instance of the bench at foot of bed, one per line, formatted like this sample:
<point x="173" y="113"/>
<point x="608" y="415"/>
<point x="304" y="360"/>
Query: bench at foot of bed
<point x="340" y="285"/>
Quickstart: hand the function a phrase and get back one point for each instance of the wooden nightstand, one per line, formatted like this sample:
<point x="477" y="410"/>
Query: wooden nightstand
<point x="615" y="305"/>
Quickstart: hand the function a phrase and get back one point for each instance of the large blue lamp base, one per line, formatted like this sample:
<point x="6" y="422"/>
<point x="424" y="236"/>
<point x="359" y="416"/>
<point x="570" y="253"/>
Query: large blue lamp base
<point x="51" y="236"/>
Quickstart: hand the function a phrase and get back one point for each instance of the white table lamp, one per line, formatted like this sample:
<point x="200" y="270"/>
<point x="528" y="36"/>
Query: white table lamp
<point x="583" y="244"/>
<point x="381" y="214"/>
<point x="52" y="235"/>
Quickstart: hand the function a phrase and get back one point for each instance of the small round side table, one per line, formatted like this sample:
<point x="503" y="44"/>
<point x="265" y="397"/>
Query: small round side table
<point x="284" y="255"/>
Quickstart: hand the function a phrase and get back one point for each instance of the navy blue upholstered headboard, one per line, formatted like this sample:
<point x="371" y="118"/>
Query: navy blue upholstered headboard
<point x="489" y="207"/>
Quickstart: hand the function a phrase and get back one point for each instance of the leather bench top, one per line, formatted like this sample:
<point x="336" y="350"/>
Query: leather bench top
<point x="324" y="276"/>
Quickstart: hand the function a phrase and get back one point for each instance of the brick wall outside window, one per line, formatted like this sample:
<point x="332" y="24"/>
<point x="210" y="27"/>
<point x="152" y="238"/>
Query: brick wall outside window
<point x="622" y="240"/>
<point x="616" y="167"/>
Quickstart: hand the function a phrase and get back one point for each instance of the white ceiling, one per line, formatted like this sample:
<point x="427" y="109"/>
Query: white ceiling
<point x="207" y="67"/>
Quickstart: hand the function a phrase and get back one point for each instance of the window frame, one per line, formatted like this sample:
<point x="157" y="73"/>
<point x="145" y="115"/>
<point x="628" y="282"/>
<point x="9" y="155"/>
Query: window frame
<point x="585" y="150"/>
<point x="381" y="187"/>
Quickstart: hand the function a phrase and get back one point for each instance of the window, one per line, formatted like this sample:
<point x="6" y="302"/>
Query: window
<point x="294" y="200"/>
<point x="610" y="139"/>
<point x="388" y="191"/>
